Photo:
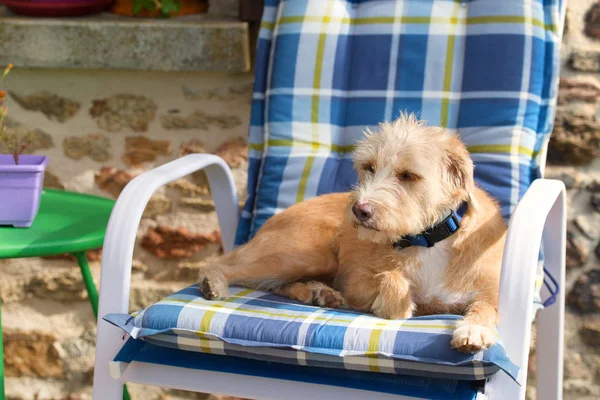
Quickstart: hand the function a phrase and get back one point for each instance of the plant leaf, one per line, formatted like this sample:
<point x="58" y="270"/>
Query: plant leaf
<point x="137" y="7"/>
<point x="170" y="6"/>
<point x="7" y="70"/>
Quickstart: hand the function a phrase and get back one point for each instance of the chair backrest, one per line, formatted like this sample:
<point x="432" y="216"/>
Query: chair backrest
<point x="326" y="69"/>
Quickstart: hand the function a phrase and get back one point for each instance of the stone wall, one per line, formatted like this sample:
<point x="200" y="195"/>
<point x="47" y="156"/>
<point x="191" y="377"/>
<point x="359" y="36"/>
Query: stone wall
<point x="101" y="128"/>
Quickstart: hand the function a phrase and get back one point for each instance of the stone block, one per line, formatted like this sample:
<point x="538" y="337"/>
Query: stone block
<point x="60" y="284"/>
<point x="176" y="243"/>
<point x="31" y="354"/>
<point x="575" y="140"/>
<point x="574" y="90"/>
<point x="54" y="107"/>
<point x="584" y="60"/>
<point x="95" y="146"/>
<point x="140" y="150"/>
<point x="112" y="42"/>
<point x="585" y="295"/>
<point x="200" y="120"/>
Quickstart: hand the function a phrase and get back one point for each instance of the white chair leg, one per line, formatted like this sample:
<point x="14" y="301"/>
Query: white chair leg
<point x="539" y="217"/>
<point x="502" y="387"/>
<point x="550" y="344"/>
<point x="107" y="344"/>
<point x="550" y="353"/>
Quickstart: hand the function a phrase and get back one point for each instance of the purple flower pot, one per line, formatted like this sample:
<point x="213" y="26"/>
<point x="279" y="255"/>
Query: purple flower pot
<point x="20" y="189"/>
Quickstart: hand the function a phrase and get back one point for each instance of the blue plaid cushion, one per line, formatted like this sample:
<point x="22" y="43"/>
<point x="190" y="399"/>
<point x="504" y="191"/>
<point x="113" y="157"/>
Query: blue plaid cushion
<point x="326" y="69"/>
<point x="259" y="325"/>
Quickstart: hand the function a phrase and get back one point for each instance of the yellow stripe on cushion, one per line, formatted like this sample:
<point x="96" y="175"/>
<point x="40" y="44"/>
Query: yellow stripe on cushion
<point x="480" y="20"/>
<point x="374" y="347"/>
<point x="267" y="25"/>
<point x="501" y="148"/>
<point x="208" y="315"/>
<point x="448" y="68"/>
<point x="240" y="310"/>
<point x="345" y="149"/>
<point x="314" y="115"/>
<point x="342" y="149"/>
<point x="314" y="145"/>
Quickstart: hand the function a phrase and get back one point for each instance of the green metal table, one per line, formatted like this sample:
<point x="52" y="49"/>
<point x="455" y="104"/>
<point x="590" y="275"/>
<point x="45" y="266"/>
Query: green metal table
<point x="67" y="223"/>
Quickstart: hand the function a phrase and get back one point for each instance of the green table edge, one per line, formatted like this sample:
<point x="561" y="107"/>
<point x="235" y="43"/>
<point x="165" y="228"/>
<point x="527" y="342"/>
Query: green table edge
<point x="93" y="242"/>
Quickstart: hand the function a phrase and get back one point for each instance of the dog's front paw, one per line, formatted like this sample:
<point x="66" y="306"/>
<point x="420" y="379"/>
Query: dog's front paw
<point x="213" y="286"/>
<point x="328" y="297"/>
<point x="471" y="338"/>
<point x="400" y="309"/>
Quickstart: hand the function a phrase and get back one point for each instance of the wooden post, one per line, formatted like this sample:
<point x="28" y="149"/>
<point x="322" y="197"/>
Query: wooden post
<point x="251" y="10"/>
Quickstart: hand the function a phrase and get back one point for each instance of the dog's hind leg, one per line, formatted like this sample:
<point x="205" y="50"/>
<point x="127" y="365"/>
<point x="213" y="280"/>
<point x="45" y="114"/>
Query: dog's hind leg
<point x="233" y="268"/>
<point x="299" y="244"/>
<point x="312" y="292"/>
<point x="262" y="264"/>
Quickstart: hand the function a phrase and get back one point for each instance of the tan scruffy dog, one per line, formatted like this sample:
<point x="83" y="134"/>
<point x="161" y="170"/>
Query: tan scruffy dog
<point x="394" y="246"/>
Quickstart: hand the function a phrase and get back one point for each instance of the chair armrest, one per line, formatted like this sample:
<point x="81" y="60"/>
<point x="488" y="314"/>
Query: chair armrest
<point x="540" y="215"/>
<point x="117" y="253"/>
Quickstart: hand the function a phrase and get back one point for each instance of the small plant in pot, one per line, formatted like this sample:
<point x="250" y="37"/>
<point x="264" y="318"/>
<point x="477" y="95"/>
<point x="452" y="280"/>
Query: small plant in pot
<point x="159" y="8"/>
<point x="21" y="176"/>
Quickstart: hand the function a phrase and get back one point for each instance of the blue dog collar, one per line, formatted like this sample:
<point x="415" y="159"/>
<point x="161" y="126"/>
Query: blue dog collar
<point x="436" y="233"/>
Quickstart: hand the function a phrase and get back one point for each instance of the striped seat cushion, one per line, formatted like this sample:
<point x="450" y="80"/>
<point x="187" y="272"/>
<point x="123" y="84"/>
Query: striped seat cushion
<point x="259" y="325"/>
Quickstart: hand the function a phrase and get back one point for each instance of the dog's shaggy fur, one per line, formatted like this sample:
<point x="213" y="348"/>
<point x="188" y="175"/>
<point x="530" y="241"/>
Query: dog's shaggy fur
<point x="336" y="250"/>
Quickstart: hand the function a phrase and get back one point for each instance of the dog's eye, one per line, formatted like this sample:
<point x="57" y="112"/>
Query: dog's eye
<point x="370" y="168"/>
<point x="407" y="176"/>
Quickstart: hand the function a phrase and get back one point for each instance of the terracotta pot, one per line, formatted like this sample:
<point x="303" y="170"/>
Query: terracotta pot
<point x="125" y="7"/>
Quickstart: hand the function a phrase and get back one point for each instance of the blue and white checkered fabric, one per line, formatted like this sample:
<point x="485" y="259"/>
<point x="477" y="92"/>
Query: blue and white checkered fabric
<point x="263" y="326"/>
<point x="326" y="69"/>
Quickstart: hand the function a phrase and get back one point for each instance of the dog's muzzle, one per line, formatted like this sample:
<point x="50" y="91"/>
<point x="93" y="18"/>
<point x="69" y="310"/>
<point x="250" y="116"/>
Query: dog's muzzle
<point x="363" y="211"/>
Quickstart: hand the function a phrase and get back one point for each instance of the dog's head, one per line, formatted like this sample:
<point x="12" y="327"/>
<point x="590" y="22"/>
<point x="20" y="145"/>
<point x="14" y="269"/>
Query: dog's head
<point x="410" y="177"/>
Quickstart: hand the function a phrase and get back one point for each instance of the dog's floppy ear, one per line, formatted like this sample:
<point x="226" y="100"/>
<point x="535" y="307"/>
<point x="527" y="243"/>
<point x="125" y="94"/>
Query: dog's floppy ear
<point x="459" y="166"/>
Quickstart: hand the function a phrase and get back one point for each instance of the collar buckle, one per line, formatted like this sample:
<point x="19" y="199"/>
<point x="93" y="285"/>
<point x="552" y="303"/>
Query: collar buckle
<point x="429" y="236"/>
<point x="442" y="230"/>
<point x="402" y="244"/>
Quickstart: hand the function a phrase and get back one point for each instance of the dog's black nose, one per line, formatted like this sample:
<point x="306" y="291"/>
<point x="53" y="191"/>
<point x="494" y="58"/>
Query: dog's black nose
<point x="363" y="211"/>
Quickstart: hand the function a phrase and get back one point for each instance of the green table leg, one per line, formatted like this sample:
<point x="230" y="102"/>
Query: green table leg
<point x="92" y="292"/>
<point x="88" y="281"/>
<point x="2" y="395"/>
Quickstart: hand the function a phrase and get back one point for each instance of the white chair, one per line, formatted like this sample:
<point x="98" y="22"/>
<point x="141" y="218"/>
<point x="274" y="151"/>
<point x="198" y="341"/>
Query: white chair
<point x="539" y="217"/>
